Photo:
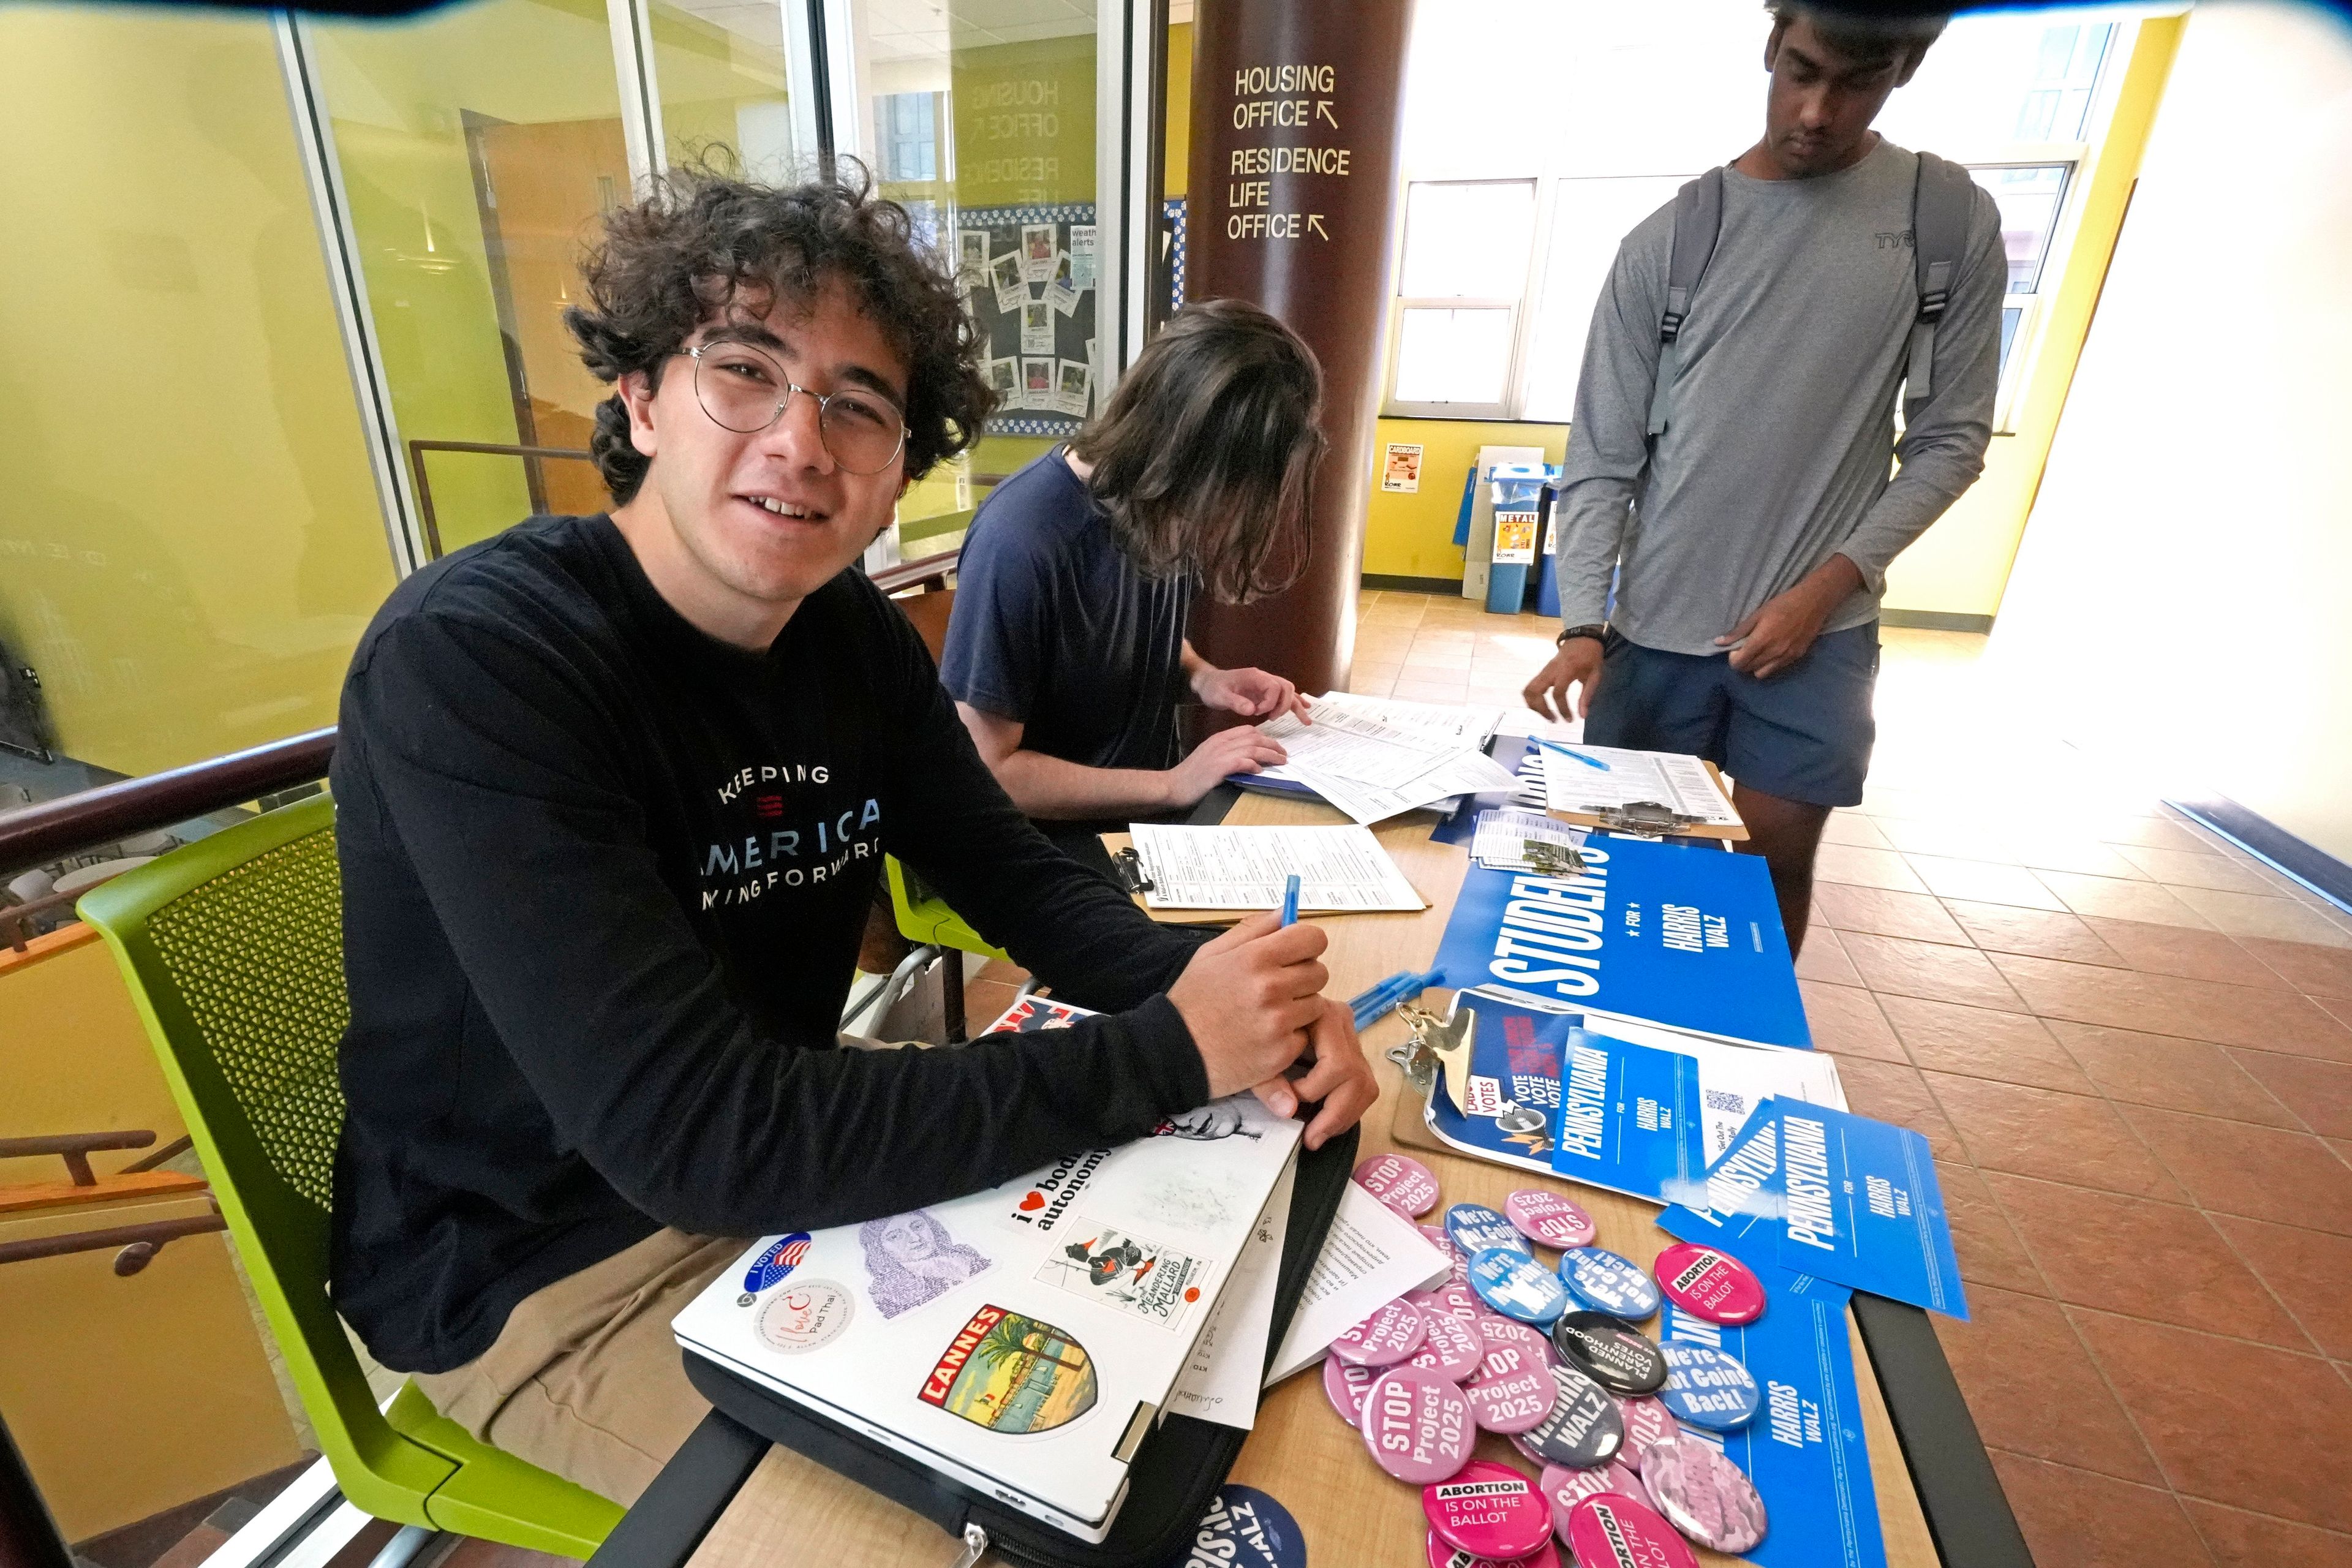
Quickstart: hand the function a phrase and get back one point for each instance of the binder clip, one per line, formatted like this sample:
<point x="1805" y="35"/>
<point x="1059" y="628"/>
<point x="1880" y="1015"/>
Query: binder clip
<point x="1128" y="864"/>
<point x="1648" y="818"/>
<point x="1438" y="1049"/>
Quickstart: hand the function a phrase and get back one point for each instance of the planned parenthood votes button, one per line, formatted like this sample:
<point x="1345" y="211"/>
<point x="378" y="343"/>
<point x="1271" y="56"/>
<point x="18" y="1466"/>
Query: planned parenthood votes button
<point x="1708" y="1387"/>
<point x="1549" y="1219"/>
<point x="1246" y="1529"/>
<point x="1392" y="1332"/>
<point x="1443" y="1554"/>
<point x="1705" y="1494"/>
<point x="1517" y="1286"/>
<point x="1400" y="1181"/>
<point x="1345" y="1384"/>
<point x="1582" y="1428"/>
<point x="1474" y="1227"/>
<point x="1487" y="1509"/>
<point x="1606" y="1282"/>
<point x="1450" y="1347"/>
<point x="1708" y="1284"/>
<point x="1417" y="1426"/>
<point x="1611" y="1531"/>
<point x="1612" y="1353"/>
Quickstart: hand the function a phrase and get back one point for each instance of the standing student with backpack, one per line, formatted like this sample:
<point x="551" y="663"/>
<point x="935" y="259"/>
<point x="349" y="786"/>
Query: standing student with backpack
<point x="1735" y="428"/>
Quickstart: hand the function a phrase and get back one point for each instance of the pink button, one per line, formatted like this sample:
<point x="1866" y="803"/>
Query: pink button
<point x="1563" y="1488"/>
<point x="1497" y="1331"/>
<point x="1488" y="1511"/>
<point x="1457" y="1260"/>
<point x="1400" y="1181"/>
<point x="1709" y="1284"/>
<point x="1513" y="1402"/>
<point x="1345" y="1386"/>
<point x="1549" y="1219"/>
<point x="1647" y="1424"/>
<point x="1443" y="1554"/>
<point x="1611" y="1531"/>
<point x="1417" y="1426"/>
<point x="1450" y="1347"/>
<point x="1387" y="1337"/>
<point x="1705" y="1494"/>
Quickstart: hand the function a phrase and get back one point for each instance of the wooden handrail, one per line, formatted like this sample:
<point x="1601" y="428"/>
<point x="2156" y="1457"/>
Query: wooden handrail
<point x="417" y="450"/>
<point x="75" y="1148"/>
<point x="929" y="572"/>
<point x="36" y="834"/>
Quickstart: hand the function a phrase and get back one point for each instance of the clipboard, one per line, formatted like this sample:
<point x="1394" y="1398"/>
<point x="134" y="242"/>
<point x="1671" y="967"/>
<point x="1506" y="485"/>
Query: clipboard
<point x="1665" y="825"/>
<point x="1128" y="866"/>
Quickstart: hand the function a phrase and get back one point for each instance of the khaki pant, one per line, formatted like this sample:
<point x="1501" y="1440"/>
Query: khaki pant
<point x="585" y="1379"/>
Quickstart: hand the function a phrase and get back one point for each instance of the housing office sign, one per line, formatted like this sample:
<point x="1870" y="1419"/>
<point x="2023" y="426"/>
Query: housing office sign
<point x="1297" y="99"/>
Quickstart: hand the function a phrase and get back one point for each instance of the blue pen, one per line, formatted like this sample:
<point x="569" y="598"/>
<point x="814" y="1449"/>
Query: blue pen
<point x="1382" y="995"/>
<point x="1571" y="751"/>
<point x="1290" y="899"/>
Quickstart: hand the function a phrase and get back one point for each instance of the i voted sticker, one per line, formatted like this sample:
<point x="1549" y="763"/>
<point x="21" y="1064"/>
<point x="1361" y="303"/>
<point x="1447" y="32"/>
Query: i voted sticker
<point x="1417" y="1426"/>
<point x="1443" y="1554"/>
<point x="1450" y="1347"/>
<point x="1548" y="1217"/>
<point x="1400" y="1181"/>
<point x="1474" y="1227"/>
<point x="1582" y="1428"/>
<point x="1345" y="1386"/>
<point x="1246" y="1529"/>
<point x="1647" y="1424"/>
<point x="1708" y="1387"/>
<point x="1563" y="1488"/>
<point x="1709" y="1284"/>
<point x="1705" y="1494"/>
<point x="1392" y="1332"/>
<point x="1615" y="1354"/>
<point x="1606" y="1282"/>
<point x="775" y="1261"/>
<point x="1487" y="1509"/>
<point x="1612" y="1530"/>
<point x="1517" y="1286"/>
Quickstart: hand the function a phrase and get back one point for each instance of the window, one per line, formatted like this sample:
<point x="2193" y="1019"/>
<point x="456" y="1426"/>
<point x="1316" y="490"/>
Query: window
<point x="1497" y="277"/>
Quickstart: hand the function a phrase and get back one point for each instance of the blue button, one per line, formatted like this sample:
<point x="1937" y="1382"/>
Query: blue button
<point x="1517" y="1286"/>
<point x="1606" y="1282"/>
<point x="1708" y="1387"/>
<point x="1476" y="1227"/>
<point x="1246" y="1529"/>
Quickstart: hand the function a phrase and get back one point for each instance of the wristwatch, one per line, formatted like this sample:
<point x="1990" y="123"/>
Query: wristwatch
<point x="1596" y="632"/>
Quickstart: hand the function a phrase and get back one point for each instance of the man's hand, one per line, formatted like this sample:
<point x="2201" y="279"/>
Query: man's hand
<point x="1576" y="664"/>
<point x="1240" y="750"/>
<point x="1337" y="1074"/>
<point x="1779" y="631"/>
<point x="1256" y="692"/>
<point x="1248" y="998"/>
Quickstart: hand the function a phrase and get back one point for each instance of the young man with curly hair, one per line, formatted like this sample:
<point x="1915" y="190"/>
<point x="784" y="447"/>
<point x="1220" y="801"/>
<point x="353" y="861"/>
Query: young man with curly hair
<point x="612" y="792"/>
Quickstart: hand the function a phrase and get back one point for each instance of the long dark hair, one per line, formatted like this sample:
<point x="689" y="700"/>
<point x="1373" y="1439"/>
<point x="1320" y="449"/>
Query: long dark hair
<point x="1205" y="459"/>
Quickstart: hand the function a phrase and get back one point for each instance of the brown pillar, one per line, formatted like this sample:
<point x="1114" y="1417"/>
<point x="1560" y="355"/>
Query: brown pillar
<point x="1293" y="185"/>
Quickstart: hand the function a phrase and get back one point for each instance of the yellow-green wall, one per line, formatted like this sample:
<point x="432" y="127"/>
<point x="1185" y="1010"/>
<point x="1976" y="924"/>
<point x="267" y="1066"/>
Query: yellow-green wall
<point x="1175" y="173"/>
<point x="1411" y="535"/>
<point x="190" y="539"/>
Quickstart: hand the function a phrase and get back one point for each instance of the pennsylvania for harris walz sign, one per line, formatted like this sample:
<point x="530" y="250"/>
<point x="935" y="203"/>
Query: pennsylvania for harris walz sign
<point x="1679" y="935"/>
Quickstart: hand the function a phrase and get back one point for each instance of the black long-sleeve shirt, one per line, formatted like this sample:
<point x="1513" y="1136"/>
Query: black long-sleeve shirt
<point x="604" y="879"/>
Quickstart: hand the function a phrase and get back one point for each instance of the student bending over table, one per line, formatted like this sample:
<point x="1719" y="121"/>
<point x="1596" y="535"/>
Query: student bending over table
<point x="1066" y="650"/>
<point x="613" y="792"/>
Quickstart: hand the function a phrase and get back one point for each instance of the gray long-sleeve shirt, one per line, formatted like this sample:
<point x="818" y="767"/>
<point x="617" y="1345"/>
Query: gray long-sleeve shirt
<point x="1777" y="453"/>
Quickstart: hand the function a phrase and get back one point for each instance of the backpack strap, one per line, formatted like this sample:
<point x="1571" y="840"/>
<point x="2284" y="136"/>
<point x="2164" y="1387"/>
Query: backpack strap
<point x="1698" y="217"/>
<point x="1942" y="200"/>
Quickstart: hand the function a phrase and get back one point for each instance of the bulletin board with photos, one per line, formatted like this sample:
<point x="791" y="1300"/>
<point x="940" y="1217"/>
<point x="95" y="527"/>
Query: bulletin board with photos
<point x="1029" y="274"/>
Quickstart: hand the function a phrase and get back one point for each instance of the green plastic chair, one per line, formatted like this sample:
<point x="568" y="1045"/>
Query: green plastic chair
<point x="923" y="916"/>
<point x="232" y="948"/>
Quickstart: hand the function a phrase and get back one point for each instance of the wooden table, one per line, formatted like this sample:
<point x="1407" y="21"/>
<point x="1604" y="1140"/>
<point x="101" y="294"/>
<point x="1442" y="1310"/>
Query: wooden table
<point x="791" y="1511"/>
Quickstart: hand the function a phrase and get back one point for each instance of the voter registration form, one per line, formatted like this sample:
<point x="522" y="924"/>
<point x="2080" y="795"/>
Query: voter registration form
<point x="1339" y="869"/>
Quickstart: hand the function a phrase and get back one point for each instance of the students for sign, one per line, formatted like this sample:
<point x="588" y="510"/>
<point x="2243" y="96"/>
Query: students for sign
<point x="613" y="794"/>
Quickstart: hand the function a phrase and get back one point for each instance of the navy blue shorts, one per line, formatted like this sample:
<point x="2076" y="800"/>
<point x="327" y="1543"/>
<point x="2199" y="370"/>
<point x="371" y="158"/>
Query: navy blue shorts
<point x="1804" y="734"/>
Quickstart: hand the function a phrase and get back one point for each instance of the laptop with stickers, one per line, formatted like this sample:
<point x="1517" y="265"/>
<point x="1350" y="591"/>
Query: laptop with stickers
<point x="1021" y="1340"/>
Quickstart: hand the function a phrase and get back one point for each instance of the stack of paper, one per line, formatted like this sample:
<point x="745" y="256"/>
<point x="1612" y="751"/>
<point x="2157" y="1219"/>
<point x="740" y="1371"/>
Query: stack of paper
<point x="1374" y="759"/>
<point x="1339" y="869"/>
<point x="1504" y="836"/>
<point x="1594" y="779"/>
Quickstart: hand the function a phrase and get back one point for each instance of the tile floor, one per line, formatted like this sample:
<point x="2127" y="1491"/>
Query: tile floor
<point x="2131" y="1044"/>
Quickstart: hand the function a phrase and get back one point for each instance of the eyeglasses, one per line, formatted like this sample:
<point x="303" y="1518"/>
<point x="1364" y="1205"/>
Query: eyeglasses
<point x="746" y="391"/>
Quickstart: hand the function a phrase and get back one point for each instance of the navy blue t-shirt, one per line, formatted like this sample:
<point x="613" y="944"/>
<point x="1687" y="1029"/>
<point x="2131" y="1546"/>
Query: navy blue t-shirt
<point x="1054" y="627"/>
